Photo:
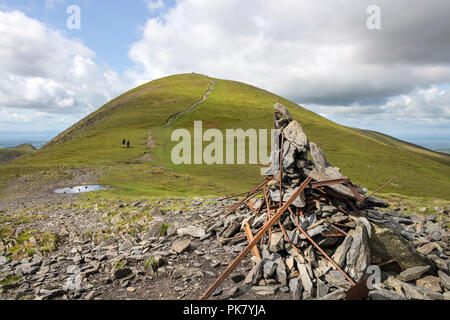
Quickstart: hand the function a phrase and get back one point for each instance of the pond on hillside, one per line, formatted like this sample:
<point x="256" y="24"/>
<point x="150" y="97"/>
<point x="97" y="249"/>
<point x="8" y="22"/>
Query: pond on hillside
<point x="81" y="189"/>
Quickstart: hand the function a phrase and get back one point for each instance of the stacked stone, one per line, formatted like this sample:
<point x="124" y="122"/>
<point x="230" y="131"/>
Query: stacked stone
<point x="305" y="273"/>
<point x="296" y="166"/>
<point x="338" y="225"/>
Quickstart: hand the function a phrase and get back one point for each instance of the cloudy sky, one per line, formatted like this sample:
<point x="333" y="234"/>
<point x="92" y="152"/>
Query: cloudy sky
<point x="322" y="55"/>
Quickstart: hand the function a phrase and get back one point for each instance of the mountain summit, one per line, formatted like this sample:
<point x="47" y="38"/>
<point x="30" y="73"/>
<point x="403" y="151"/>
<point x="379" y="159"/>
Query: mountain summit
<point x="147" y="115"/>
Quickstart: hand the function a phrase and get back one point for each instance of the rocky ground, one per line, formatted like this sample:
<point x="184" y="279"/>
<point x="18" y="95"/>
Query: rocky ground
<point x="67" y="248"/>
<point x="111" y="250"/>
<point x="84" y="247"/>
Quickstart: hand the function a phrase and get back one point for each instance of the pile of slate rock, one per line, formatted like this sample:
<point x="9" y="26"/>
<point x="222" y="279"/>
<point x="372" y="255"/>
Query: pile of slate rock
<point x="342" y="225"/>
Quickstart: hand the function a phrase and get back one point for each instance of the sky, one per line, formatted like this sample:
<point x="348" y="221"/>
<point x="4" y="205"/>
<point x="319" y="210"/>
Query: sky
<point x="373" y="64"/>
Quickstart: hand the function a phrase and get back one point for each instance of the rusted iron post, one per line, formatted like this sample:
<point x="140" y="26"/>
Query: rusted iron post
<point x="270" y="229"/>
<point x="249" y="234"/>
<point x="233" y="208"/>
<point x="260" y="234"/>
<point x="251" y="207"/>
<point x="239" y="236"/>
<point x="281" y="179"/>
<point x="339" y="229"/>
<point x="322" y="252"/>
<point x="332" y="234"/>
<point x="267" y="216"/>
<point x="379" y="189"/>
<point x="281" y="170"/>
<point x="286" y="236"/>
<point x="251" y="196"/>
<point x="316" y="184"/>
<point x="355" y="192"/>
<point x="266" y="197"/>
<point x="353" y="205"/>
<point x="233" y="196"/>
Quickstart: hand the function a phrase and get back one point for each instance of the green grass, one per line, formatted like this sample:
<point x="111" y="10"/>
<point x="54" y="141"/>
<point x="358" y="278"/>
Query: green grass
<point x="10" y="280"/>
<point x="13" y="153"/>
<point x="43" y="241"/>
<point x="95" y="144"/>
<point x="365" y="160"/>
<point x="5" y="231"/>
<point x="120" y="265"/>
<point x="446" y="151"/>
<point x="148" y="263"/>
<point x="406" y="146"/>
<point x="164" y="228"/>
<point x="417" y="205"/>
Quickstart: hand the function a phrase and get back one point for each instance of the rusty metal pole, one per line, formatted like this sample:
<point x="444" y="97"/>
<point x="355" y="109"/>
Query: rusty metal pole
<point x="286" y="236"/>
<point x="249" y="247"/>
<point x="379" y="189"/>
<point x="281" y="169"/>
<point x="232" y="209"/>
<point x="323" y="252"/>
<point x="316" y="184"/>
<point x="268" y="209"/>
<point x="249" y="234"/>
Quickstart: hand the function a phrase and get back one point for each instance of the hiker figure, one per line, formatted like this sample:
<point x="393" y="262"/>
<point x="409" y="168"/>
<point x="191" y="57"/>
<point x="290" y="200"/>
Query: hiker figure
<point x="128" y="143"/>
<point x="123" y="143"/>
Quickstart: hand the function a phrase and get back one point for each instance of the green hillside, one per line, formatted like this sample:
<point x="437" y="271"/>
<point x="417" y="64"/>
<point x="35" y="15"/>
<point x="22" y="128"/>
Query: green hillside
<point x="9" y="154"/>
<point x="406" y="146"/>
<point x="94" y="143"/>
<point x="446" y="151"/>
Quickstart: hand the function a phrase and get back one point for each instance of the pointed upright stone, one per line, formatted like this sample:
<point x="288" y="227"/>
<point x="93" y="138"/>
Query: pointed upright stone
<point x="276" y="242"/>
<point x="296" y="136"/>
<point x="282" y="116"/>
<point x="255" y="274"/>
<point x="341" y="252"/>
<point x="269" y="268"/>
<point x="318" y="156"/>
<point x="280" y="272"/>
<point x="322" y="289"/>
<point x="358" y="256"/>
<point x="296" y="288"/>
<point x="306" y="281"/>
<point x="289" y="160"/>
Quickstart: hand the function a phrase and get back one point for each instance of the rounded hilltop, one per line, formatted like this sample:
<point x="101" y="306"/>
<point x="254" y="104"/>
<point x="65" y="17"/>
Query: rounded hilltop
<point x="148" y="114"/>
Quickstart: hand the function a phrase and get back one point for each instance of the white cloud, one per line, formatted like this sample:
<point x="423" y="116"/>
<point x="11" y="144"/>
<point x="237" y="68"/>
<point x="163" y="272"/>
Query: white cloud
<point x="315" y="54"/>
<point x="419" y="113"/>
<point x="320" y="56"/>
<point x="43" y="71"/>
<point x="154" y="5"/>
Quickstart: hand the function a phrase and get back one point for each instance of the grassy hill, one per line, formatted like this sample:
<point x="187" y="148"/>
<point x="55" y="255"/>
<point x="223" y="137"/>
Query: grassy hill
<point x="446" y="151"/>
<point x="9" y="154"/>
<point x="406" y="146"/>
<point x="94" y="143"/>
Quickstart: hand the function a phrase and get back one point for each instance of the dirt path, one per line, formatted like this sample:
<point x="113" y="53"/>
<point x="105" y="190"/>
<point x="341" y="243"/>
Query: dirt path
<point x="152" y="142"/>
<point x="181" y="113"/>
<point x="150" y="145"/>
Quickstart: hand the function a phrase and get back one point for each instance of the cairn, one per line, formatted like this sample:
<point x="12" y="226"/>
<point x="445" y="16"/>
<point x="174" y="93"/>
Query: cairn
<point x="321" y="241"/>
